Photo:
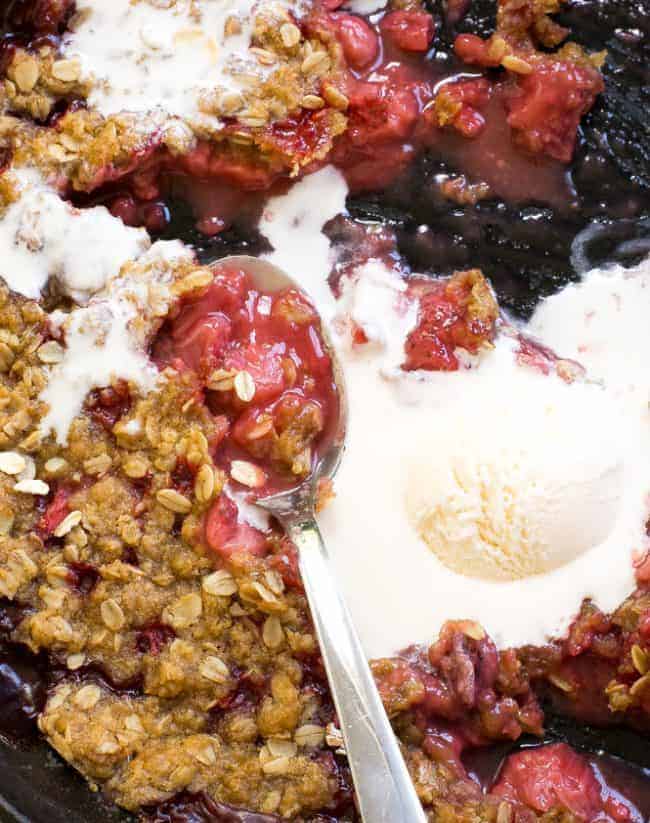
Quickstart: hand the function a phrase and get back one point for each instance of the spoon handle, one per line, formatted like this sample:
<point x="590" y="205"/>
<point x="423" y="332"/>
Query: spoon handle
<point x="385" y="793"/>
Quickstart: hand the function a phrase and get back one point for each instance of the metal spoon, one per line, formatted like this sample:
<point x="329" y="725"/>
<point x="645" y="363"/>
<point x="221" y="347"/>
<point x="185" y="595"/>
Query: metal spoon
<point x="385" y="792"/>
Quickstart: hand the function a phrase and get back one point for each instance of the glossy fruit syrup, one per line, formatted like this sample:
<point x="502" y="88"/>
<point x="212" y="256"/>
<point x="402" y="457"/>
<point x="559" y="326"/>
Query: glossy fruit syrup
<point x="266" y="376"/>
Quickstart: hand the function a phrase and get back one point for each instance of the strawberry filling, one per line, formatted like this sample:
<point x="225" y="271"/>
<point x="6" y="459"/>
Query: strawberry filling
<point x="267" y="380"/>
<point x="359" y="40"/>
<point x="553" y="777"/>
<point x="225" y="534"/>
<point x="55" y="513"/>
<point x="545" y="107"/>
<point x="459" y="313"/>
<point x="409" y="30"/>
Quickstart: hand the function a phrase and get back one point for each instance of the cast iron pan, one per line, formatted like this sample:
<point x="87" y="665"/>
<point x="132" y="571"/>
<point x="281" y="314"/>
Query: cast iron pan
<point x="526" y="250"/>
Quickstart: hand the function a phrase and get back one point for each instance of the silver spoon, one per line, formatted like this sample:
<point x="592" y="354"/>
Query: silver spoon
<point x="385" y="792"/>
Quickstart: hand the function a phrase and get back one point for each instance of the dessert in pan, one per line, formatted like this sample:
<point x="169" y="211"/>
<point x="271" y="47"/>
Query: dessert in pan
<point x="461" y="192"/>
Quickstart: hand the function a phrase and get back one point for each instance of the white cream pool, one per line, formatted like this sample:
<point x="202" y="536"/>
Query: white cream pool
<point x="581" y="449"/>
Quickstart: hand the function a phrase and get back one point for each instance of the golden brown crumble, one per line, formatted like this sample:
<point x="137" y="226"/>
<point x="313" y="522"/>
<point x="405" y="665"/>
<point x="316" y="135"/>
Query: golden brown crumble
<point x="460" y="190"/>
<point x="147" y="748"/>
<point x="35" y="81"/>
<point x="82" y="148"/>
<point x="125" y="585"/>
<point x="523" y="26"/>
<point x="302" y="74"/>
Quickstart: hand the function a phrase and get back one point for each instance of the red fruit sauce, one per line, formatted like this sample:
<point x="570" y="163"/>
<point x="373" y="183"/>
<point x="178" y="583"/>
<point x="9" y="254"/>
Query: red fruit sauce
<point x="515" y="133"/>
<point x="229" y="329"/>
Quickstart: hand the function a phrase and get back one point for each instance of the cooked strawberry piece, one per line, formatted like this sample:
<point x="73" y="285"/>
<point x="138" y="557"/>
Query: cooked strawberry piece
<point x="200" y="343"/>
<point x="466" y="668"/>
<point x="458" y="314"/>
<point x="264" y="364"/>
<point x="428" y="347"/>
<point x="214" y="161"/>
<point x="254" y="429"/>
<point x="455" y="97"/>
<point x="590" y="625"/>
<point x="126" y="209"/>
<point x="445" y="747"/>
<point x="476" y="51"/>
<point x="109" y="404"/>
<point x="221" y="524"/>
<point x="359" y="41"/>
<point x="150" y="213"/>
<point x="227" y="293"/>
<point x="545" y="108"/>
<point x="199" y="334"/>
<point x="459" y="105"/>
<point x="379" y="169"/>
<point x="469" y="122"/>
<point x="378" y="114"/>
<point x="409" y="30"/>
<point x="314" y="358"/>
<point x="553" y="778"/>
<point x="226" y="535"/>
<point x="286" y="563"/>
<point x="381" y="120"/>
<point x="152" y="639"/>
<point x="155" y="216"/>
<point x="359" y="337"/>
<point x="56" y="512"/>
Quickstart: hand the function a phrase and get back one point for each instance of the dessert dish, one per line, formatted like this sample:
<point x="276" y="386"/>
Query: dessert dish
<point x="432" y="177"/>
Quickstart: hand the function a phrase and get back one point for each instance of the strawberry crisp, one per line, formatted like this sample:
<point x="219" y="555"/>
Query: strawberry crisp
<point x="146" y="398"/>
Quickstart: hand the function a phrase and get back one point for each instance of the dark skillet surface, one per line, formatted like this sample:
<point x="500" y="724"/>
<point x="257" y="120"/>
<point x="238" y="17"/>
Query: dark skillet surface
<point x="525" y="250"/>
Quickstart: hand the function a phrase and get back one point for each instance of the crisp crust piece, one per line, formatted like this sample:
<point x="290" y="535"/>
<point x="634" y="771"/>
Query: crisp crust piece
<point x="34" y="82"/>
<point x="294" y="74"/>
<point x="114" y="573"/>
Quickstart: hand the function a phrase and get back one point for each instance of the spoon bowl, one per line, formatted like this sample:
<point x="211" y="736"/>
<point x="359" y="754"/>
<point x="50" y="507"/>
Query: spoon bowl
<point x="384" y="790"/>
<point x="270" y="278"/>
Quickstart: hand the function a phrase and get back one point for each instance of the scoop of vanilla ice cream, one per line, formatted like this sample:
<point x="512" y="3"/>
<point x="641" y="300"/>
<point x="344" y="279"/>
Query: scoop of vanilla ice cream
<point x="516" y="451"/>
<point x="510" y="492"/>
